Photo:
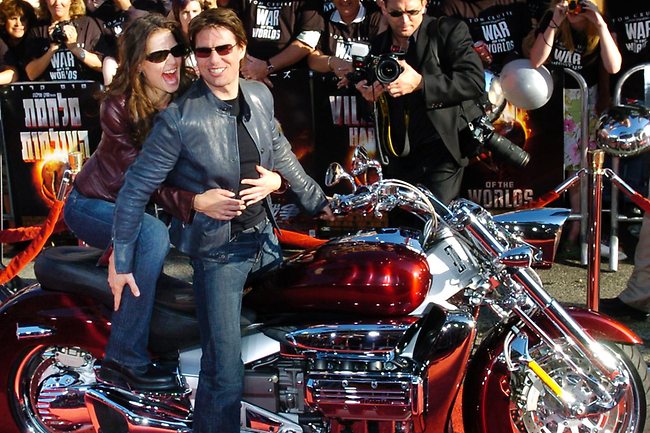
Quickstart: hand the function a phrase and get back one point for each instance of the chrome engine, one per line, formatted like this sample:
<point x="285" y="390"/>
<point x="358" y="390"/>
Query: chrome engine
<point x="354" y="371"/>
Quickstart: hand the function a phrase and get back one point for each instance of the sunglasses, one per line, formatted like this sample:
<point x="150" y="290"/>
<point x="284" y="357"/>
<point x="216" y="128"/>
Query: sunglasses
<point x="160" y="56"/>
<point x="411" y="13"/>
<point x="205" y="52"/>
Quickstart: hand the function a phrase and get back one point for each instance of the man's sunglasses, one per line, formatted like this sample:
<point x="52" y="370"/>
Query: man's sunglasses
<point x="160" y="56"/>
<point x="398" y="14"/>
<point x="204" y="52"/>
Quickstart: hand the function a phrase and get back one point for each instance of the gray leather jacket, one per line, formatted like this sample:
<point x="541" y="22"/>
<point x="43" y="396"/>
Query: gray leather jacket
<point x="193" y="145"/>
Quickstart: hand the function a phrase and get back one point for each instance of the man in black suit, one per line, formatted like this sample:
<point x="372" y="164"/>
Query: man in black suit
<point x="421" y="112"/>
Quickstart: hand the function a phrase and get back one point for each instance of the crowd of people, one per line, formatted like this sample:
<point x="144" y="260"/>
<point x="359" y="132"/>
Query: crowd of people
<point x="188" y="118"/>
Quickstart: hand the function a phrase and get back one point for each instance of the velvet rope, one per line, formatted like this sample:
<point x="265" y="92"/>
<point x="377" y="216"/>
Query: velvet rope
<point x="39" y="236"/>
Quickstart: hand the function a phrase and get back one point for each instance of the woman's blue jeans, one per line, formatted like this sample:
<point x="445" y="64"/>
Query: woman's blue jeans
<point x="218" y="285"/>
<point x="91" y="220"/>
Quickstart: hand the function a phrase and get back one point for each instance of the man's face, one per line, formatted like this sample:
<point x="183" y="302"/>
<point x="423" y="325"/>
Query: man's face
<point x="403" y="16"/>
<point x="220" y="69"/>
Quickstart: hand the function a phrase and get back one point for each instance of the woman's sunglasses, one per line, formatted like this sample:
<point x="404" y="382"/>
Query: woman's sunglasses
<point x="204" y="52"/>
<point x="160" y="56"/>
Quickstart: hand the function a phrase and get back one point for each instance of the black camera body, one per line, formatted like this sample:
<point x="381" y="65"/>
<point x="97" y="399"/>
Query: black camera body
<point x="384" y="68"/>
<point x="58" y="34"/>
<point x="575" y="7"/>
<point x="482" y="131"/>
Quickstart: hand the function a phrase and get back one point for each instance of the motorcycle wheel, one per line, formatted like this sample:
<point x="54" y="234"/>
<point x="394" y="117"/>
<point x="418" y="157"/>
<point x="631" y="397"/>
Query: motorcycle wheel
<point x="629" y="416"/>
<point x="48" y="386"/>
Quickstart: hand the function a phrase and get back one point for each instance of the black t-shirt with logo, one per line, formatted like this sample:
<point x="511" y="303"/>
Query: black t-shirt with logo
<point x="272" y="24"/>
<point x="500" y="24"/>
<point x="337" y="38"/>
<point x="630" y="22"/>
<point x="64" y="65"/>
<point x="586" y="64"/>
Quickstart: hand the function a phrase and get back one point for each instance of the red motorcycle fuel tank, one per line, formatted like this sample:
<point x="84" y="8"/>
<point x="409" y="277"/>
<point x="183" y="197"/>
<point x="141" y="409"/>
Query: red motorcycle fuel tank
<point x="382" y="273"/>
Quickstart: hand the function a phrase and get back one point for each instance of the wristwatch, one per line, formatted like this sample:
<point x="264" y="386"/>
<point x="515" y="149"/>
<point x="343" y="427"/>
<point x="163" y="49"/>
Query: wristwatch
<point x="269" y="66"/>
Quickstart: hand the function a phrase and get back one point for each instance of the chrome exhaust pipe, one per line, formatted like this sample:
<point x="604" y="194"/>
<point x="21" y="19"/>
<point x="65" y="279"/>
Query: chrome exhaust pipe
<point x="116" y="410"/>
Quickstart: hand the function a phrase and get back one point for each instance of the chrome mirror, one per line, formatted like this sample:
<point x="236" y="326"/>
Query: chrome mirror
<point x="361" y="162"/>
<point x="335" y="173"/>
<point x="624" y="130"/>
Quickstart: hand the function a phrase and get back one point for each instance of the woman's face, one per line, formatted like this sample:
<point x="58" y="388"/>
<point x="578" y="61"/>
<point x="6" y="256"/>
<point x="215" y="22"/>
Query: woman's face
<point x="161" y="79"/>
<point x="59" y="9"/>
<point x="16" y="26"/>
<point x="185" y="15"/>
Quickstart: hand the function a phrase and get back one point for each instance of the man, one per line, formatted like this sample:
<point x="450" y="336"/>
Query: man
<point x="441" y="70"/>
<point x="221" y="134"/>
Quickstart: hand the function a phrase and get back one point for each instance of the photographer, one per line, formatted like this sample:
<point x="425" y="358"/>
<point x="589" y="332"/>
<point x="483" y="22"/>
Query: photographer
<point x="64" y="49"/>
<point x="574" y="35"/>
<point x="422" y="113"/>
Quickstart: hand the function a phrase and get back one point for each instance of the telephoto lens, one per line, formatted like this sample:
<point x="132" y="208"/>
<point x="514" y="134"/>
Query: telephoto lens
<point x="507" y="150"/>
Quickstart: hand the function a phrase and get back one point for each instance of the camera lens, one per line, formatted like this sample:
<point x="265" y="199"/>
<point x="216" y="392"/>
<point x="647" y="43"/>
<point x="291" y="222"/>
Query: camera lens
<point x="387" y="70"/>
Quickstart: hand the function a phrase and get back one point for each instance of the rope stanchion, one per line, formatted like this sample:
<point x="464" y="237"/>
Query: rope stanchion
<point x="41" y="235"/>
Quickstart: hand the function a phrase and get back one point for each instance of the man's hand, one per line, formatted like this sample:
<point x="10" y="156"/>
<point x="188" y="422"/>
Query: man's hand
<point x="408" y="81"/>
<point x="326" y="214"/>
<point x="370" y="93"/>
<point x="219" y="204"/>
<point x="268" y="182"/>
<point x="118" y="281"/>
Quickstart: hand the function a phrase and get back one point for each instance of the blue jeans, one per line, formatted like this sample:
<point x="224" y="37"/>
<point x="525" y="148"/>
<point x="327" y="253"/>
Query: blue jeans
<point x="218" y="285"/>
<point x="91" y="220"/>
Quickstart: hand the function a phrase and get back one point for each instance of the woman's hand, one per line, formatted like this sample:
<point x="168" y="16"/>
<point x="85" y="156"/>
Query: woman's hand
<point x="219" y="204"/>
<point x="118" y="281"/>
<point x="268" y="182"/>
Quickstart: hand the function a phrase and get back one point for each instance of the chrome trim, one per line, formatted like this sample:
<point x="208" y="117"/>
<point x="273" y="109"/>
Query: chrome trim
<point x="272" y="423"/>
<point x="388" y="236"/>
<point x="25" y="332"/>
<point x="376" y="337"/>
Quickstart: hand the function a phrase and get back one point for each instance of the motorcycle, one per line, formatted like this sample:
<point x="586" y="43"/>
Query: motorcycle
<point x="376" y="331"/>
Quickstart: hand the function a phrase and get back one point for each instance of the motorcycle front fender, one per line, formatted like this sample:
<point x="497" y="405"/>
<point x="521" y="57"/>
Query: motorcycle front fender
<point x="486" y="390"/>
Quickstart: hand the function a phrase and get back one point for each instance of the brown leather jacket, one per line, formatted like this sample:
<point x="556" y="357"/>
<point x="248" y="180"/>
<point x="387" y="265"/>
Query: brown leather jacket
<point x="102" y="175"/>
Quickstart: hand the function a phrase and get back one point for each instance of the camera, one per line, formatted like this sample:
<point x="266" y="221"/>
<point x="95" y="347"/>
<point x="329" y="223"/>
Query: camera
<point x="482" y="131"/>
<point x="384" y="68"/>
<point x="575" y="7"/>
<point x="58" y="34"/>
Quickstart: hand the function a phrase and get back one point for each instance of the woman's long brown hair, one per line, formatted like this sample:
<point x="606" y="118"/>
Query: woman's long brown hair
<point x="132" y="51"/>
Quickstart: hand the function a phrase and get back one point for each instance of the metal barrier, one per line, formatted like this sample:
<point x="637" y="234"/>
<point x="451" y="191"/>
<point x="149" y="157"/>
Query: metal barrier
<point x="615" y="217"/>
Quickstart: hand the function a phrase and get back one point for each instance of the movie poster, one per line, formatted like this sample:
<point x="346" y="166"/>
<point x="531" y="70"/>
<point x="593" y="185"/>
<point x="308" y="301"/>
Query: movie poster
<point x="499" y="185"/>
<point x="41" y="122"/>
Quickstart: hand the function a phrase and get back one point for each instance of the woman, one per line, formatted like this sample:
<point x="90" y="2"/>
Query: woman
<point x="184" y="11"/>
<point x="150" y="74"/>
<point x="349" y="23"/>
<point x="574" y="35"/>
<point x="16" y="17"/>
<point x="65" y="48"/>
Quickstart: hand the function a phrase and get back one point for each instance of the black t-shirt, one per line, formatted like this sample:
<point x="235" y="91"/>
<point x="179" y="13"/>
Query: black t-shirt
<point x="249" y="159"/>
<point x="337" y="38"/>
<point x="64" y="65"/>
<point x="13" y="54"/>
<point x="501" y="24"/>
<point x="630" y="22"/>
<point x="577" y="59"/>
<point x="272" y="24"/>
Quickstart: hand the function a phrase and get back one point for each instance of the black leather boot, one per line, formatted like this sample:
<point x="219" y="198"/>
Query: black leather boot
<point x="149" y="378"/>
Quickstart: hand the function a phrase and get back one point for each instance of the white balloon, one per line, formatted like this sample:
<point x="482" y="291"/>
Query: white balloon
<point x="524" y="86"/>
